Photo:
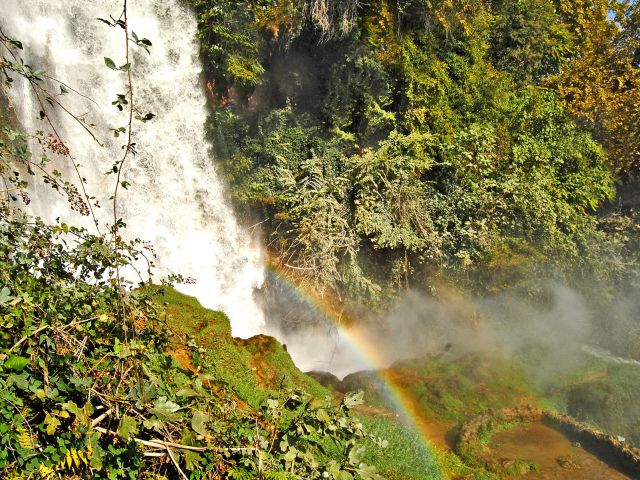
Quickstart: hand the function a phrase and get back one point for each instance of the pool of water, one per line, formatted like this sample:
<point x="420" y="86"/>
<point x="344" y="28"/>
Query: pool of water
<point x="556" y="457"/>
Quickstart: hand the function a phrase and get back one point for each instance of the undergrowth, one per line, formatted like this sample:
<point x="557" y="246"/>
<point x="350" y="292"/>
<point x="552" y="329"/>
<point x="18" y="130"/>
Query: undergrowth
<point x="87" y="386"/>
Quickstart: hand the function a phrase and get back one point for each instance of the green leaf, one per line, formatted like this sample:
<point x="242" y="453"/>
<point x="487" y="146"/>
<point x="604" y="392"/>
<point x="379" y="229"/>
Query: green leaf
<point x="109" y="63"/>
<point x="146" y="117"/>
<point x="353" y="399"/>
<point x="186" y="393"/>
<point x="16" y="362"/>
<point x="343" y="475"/>
<point x="128" y="428"/>
<point x="5" y="296"/>
<point x="18" y="380"/>
<point x="165" y="409"/>
<point x="369" y="472"/>
<point x="356" y="455"/>
<point x="199" y="422"/>
<point x="323" y="416"/>
<point x="290" y="456"/>
<point x="52" y="424"/>
<point x="192" y="460"/>
<point x="153" y="424"/>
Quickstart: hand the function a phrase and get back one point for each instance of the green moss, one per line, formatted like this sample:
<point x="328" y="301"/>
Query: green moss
<point x="457" y="389"/>
<point x="253" y="368"/>
<point x="275" y="368"/>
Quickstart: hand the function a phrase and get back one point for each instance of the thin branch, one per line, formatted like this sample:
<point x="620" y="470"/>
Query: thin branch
<point x="72" y="89"/>
<point x="176" y="464"/>
<point x="298" y="268"/>
<point x="23" y="339"/>
<point x="101" y="417"/>
<point x="162" y="445"/>
<point x="119" y="167"/>
<point x="34" y="86"/>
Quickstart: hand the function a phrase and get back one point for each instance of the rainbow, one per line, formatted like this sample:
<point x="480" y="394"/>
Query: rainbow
<point x="402" y="402"/>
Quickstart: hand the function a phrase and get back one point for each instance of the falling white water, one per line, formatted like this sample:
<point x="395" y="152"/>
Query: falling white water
<point x="176" y="199"/>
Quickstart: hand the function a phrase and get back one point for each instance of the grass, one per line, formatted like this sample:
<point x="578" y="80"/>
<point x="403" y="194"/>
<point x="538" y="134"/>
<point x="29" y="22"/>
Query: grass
<point x="407" y="456"/>
<point x="455" y="390"/>
<point x="252" y="368"/>
<point x="257" y="367"/>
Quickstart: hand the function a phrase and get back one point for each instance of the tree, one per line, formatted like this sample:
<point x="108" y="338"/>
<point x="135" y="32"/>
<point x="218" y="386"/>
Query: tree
<point x="527" y="39"/>
<point x="600" y="84"/>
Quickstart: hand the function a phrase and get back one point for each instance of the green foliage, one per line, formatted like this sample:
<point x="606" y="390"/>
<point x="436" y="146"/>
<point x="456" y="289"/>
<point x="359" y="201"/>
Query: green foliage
<point x="253" y="369"/>
<point x="76" y="384"/>
<point x="231" y="53"/>
<point x="528" y="41"/>
<point x="406" y="456"/>
<point x="425" y="151"/>
<point x="91" y="385"/>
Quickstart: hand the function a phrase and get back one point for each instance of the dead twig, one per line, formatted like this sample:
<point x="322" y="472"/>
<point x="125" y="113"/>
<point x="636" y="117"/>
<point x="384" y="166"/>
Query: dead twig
<point x="101" y="417"/>
<point x="176" y="464"/>
<point x="162" y="445"/>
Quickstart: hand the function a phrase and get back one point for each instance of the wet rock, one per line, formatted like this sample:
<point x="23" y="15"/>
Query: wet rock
<point x="327" y="379"/>
<point x="362" y="381"/>
<point x="516" y="466"/>
<point x="568" y="463"/>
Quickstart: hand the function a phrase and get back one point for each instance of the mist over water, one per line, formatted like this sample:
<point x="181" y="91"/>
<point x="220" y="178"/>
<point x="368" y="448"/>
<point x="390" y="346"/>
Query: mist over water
<point x="176" y="200"/>
<point x="559" y="333"/>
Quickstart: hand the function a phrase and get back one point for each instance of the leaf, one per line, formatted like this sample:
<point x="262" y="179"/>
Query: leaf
<point x="128" y="427"/>
<point x="323" y="416"/>
<point x="343" y="475"/>
<point x="192" y="460"/>
<point x="290" y="456"/>
<point x="186" y="393"/>
<point x="18" y="380"/>
<point x="5" y="296"/>
<point x="165" y="409"/>
<point x="147" y="117"/>
<point x="109" y="63"/>
<point x="74" y="456"/>
<point x="16" y="362"/>
<point x="353" y="399"/>
<point x="52" y="424"/>
<point x="199" y="421"/>
<point x="369" y="472"/>
<point x="153" y="424"/>
<point x="356" y="455"/>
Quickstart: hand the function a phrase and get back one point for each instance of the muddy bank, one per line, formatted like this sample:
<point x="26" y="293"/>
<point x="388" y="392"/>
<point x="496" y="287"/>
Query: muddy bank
<point x="616" y="453"/>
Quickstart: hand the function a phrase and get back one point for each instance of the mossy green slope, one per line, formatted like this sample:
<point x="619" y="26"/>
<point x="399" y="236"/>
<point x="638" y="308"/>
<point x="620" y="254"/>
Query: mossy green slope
<point x="252" y="368"/>
<point x="259" y="366"/>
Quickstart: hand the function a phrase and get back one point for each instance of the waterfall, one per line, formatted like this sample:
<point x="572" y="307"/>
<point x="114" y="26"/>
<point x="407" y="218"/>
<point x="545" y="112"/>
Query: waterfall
<point x="176" y="200"/>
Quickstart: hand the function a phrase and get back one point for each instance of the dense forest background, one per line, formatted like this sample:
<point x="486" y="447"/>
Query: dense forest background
<point x="403" y="144"/>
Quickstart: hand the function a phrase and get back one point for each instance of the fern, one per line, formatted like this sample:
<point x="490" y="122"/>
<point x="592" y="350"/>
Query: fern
<point x="24" y="438"/>
<point x="242" y="474"/>
<point x="281" y="476"/>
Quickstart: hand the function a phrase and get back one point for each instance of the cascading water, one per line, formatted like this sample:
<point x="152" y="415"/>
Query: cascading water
<point x="176" y="200"/>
